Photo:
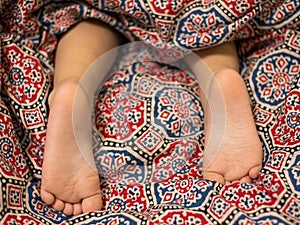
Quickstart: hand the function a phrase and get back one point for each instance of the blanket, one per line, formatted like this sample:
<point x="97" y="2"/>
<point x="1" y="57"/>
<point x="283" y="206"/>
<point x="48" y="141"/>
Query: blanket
<point x="141" y="127"/>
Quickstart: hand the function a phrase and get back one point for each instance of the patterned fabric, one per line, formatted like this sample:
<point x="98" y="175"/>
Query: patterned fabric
<point x="150" y="170"/>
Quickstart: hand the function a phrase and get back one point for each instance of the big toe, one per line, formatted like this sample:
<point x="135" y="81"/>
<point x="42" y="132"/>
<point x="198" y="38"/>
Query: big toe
<point x="93" y="203"/>
<point x="213" y="176"/>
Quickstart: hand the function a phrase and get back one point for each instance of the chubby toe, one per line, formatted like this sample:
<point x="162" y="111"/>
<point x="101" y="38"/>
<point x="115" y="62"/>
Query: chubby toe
<point x="77" y="209"/>
<point x="213" y="176"/>
<point x="246" y="179"/>
<point x="58" y="205"/>
<point x="254" y="172"/>
<point x="47" y="197"/>
<point x="93" y="203"/>
<point x="68" y="209"/>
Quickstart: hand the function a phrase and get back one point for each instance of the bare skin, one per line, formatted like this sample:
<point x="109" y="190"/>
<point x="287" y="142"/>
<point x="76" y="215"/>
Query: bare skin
<point x="239" y="157"/>
<point x="70" y="185"/>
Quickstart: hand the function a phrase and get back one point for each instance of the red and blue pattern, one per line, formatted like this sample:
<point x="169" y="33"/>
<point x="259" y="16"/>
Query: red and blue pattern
<point x="150" y="169"/>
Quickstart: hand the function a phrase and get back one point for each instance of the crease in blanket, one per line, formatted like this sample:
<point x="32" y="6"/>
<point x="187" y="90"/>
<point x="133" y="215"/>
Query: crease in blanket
<point x="268" y="38"/>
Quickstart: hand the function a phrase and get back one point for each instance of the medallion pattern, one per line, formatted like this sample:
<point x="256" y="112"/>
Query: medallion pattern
<point x="148" y="116"/>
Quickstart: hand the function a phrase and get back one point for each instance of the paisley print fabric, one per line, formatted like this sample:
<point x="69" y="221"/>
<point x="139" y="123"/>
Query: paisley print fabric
<point x="149" y="117"/>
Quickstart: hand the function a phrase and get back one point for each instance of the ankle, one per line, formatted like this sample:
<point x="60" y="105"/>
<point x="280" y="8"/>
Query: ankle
<point x="228" y="76"/>
<point x="61" y="87"/>
<point x="231" y="83"/>
<point x="227" y="84"/>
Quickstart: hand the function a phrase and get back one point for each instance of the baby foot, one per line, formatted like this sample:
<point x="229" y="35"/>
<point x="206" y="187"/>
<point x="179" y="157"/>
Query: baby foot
<point x="239" y="157"/>
<point x="69" y="183"/>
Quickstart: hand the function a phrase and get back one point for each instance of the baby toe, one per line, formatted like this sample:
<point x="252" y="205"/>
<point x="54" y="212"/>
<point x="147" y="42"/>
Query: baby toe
<point x="254" y="172"/>
<point x="246" y="179"/>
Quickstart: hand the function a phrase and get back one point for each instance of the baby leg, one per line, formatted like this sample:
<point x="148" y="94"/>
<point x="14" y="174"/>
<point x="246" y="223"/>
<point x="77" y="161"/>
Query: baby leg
<point x="69" y="183"/>
<point x="239" y="156"/>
